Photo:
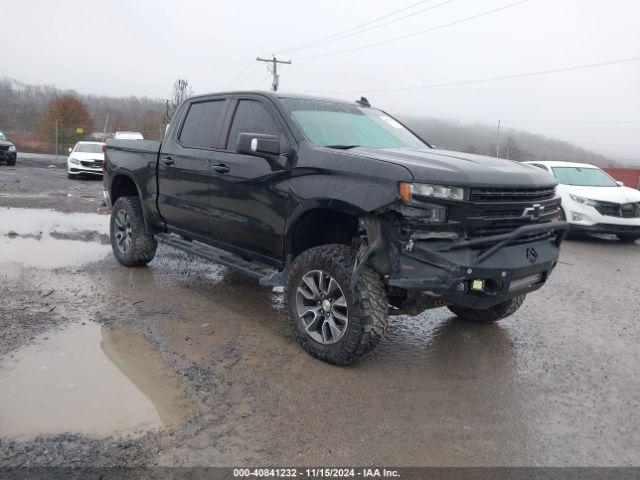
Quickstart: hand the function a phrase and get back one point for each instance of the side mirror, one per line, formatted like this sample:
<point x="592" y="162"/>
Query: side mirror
<point x="70" y="149"/>
<point x="258" y="144"/>
<point x="620" y="183"/>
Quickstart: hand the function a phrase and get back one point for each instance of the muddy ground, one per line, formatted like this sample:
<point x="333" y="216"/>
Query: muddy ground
<point x="187" y="363"/>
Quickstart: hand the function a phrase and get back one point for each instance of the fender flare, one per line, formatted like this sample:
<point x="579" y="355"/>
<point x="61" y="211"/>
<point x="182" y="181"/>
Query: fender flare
<point x="315" y="204"/>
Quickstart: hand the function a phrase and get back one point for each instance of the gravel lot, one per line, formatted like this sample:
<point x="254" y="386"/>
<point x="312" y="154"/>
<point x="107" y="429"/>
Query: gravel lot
<point x="207" y="372"/>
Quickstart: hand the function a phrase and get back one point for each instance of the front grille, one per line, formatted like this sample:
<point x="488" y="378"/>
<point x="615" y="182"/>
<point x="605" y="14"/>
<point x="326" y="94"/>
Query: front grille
<point x="4" y="148"/>
<point x="483" y="194"/>
<point x="92" y="163"/>
<point x="513" y="214"/>
<point x="625" y="210"/>
<point x="498" y="211"/>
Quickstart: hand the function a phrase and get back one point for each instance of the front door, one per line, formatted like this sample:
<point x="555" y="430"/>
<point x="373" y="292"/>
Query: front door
<point x="246" y="202"/>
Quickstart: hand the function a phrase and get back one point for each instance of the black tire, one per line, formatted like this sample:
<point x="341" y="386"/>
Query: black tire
<point x="72" y="176"/>
<point x="11" y="163"/>
<point x="366" y="302"/>
<point x="489" y="315"/>
<point x="141" y="246"/>
<point x="628" y="238"/>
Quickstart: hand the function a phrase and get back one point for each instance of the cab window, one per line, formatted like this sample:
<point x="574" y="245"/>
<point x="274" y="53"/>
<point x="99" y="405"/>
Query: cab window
<point x="251" y="117"/>
<point x="201" y="127"/>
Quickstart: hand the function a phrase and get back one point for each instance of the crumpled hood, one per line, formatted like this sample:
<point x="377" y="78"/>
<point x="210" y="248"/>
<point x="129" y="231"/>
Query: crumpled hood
<point x="463" y="169"/>
<point x="602" y="194"/>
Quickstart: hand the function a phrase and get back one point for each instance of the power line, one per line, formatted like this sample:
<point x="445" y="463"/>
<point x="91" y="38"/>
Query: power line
<point x="347" y="35"/>
<point x="323" y="39"/>
<point x="421" y="32"/>
<point x="240" y="74"/>
<point x="249" y="76"/>
<point x="491" y="79"/>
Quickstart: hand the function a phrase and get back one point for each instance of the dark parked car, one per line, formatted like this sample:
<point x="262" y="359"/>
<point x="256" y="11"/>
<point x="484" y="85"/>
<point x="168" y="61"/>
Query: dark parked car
<point x="340" y="203"/>
<point x="8" y="152"/>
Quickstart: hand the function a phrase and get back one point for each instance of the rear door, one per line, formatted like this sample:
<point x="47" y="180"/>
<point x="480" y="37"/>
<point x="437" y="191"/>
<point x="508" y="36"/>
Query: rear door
<point x="184" y="169"/>
<point x="248" y="209"/>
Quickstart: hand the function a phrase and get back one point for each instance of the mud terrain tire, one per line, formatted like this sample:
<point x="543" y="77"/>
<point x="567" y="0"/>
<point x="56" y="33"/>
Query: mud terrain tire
<point x="489" y="315"/>
<point x="366" y="304"/>
<point x="127" y="220"/>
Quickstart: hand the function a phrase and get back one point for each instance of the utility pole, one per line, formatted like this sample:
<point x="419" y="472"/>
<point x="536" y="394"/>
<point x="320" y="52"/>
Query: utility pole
<point x="274" y="69"/>
<point x="498" y="142"/>
<point x="104" y="130"/>
<point x="56" y="139"/>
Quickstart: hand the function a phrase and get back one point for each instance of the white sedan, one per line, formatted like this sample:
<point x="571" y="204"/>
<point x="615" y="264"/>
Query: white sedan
<point x="594" y="202"/>
<point x="85" y="157"/>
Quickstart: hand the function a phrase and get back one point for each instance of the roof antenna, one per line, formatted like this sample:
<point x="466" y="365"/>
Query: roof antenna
<point x="363" y="102"/>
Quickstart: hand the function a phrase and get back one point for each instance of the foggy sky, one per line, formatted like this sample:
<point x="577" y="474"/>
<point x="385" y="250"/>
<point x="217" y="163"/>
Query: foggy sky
<point x="123" y="48"/>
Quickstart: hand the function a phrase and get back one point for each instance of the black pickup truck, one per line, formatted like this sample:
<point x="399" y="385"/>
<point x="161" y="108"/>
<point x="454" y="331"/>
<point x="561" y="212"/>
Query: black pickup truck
<point x="355" y="215"/>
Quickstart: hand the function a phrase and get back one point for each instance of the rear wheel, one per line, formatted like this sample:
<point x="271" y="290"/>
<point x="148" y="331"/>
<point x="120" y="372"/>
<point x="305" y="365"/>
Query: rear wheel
<point x="131" y="243"/>
<point x="491" y="314"/>
<point x="629" y="237"/>
<point x="332" y="319"/>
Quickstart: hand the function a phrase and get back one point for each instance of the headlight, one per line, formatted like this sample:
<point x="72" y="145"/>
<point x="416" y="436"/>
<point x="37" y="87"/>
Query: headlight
<point x="12" y="148"/>
<point x="74" y="161"/>
<point x="584" y="201"/>
<point x="409" y="190"/>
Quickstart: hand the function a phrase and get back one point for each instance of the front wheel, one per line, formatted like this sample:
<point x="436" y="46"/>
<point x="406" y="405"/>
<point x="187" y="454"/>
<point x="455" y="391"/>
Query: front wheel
<point x="11" y="163"/>
<point x="131" y="243"/>
<point x="628" y="238"/>
<point x="491" y="314"/>
<point x="332" y="319"/>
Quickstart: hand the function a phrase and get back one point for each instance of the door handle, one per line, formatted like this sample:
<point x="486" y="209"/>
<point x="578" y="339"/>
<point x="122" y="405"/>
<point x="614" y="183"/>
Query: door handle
<point x="167" y="161"/>
<point x="220" y="168"/>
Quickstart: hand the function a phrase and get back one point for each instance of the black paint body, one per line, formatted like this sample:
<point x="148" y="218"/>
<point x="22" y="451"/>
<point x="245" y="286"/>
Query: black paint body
<point x="250" y="205"/>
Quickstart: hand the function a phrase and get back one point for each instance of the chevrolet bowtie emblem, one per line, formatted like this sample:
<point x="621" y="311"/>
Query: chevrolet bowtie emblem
<point x="534" y="212"/>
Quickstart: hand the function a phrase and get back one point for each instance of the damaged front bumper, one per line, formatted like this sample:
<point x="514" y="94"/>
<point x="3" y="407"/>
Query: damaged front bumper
<point x="483" y="272"/>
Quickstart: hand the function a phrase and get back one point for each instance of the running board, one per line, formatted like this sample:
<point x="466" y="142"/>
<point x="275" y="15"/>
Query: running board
<point x="267" y="276"/>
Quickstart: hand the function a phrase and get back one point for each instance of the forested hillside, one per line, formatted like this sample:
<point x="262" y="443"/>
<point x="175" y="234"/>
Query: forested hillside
<point x="24" y="116"/>
<point x="514" y="144"/>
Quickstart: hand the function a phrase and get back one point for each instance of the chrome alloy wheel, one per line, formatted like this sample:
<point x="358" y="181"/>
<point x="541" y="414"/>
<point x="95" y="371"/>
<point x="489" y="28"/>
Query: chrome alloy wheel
<point x="123" y="231"/>
<point x="322" y="307"/>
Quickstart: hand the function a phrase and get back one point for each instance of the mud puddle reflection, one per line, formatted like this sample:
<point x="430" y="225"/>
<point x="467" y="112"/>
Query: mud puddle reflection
<point x="49" y="239"/>
<point x="88" y="379"/>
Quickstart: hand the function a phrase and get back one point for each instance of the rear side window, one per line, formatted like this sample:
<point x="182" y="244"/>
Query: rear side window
<point x="251" y="117"/>
<point x="202" y="126"/>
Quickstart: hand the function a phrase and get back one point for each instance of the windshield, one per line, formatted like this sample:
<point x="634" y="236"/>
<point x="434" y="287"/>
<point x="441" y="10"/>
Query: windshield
<point x="88" y="148"/>
<point x="586" y="177"/>
<point x="334" y="124"/>
<point x="2" y="137"/>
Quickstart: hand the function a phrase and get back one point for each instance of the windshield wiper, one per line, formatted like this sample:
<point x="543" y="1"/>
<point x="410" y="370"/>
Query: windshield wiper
<point x="342" y="147"/>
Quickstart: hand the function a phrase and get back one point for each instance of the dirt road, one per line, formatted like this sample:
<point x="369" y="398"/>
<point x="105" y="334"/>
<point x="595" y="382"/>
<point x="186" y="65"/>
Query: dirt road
<point x="187" y="363"/>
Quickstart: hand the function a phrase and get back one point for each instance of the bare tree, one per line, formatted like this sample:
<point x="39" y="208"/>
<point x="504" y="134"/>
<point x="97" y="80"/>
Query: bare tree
<point x="512" y="151"/>
<point x="181" y="91"/>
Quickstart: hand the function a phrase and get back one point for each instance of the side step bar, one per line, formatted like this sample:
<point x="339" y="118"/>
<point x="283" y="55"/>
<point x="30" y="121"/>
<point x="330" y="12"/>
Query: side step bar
<point x="268" y="276"/>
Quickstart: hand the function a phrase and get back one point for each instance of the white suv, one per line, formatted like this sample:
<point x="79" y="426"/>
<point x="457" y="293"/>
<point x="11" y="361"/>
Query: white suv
<point x="594" y="202"/>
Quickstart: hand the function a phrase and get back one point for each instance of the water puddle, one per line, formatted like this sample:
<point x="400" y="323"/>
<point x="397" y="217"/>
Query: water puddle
<point x="50" y="239"/>
<point x="88" y="379"/>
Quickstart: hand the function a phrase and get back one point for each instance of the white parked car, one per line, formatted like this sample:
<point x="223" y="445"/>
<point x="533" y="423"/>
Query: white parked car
<point x="85" y="157"/>
<point x="594" y="202"/>
<point x="128" y="136"/>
